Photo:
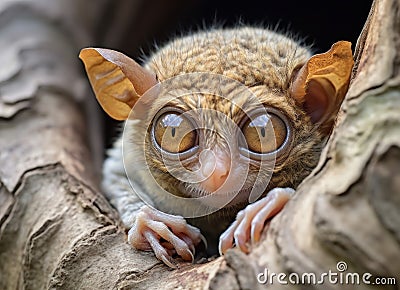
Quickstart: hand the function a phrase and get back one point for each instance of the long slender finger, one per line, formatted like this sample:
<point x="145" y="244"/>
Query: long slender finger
<point x="137" y="240"/>
<point x="278" y="198"/>
<point x="226" y="238"/>
<point x="225" y="241"/>
<point x="167" y="245"/>
<point x="242" y="232"/>
<point x="176" y="223"/>
<point x="169" y="248"/>
<point x="188" y="242"/>
<point x="180" y="246"/>
<point x="158" y="250"/>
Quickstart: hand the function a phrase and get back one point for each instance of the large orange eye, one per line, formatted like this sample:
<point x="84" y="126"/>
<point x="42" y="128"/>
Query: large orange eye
<point x="265" y="133"/>
<point x="174" y="133"/>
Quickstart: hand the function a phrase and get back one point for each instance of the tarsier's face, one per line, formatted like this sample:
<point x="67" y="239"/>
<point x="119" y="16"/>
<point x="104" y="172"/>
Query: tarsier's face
<point x="223" y="141"/>
<point x="226" y="145"/>
<point x="248" y="109"/>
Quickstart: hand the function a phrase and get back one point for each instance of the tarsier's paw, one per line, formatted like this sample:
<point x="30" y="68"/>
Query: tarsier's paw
<point x="164" y="234"/>
<point x="250" y="221"/>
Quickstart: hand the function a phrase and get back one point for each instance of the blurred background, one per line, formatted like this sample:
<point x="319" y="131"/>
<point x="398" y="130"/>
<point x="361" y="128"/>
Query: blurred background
<point x="136" y="26"/>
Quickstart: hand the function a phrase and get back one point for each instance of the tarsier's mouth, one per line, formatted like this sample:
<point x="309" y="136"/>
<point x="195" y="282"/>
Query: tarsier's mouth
<point x="224" y="198"/>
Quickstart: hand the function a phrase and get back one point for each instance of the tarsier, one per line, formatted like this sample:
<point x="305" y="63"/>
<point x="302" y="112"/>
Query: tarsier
<point x="286" y="114"/>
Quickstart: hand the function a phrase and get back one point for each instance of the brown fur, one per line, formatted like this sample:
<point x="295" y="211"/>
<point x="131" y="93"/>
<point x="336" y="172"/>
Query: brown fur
<point x="262" y="60"/>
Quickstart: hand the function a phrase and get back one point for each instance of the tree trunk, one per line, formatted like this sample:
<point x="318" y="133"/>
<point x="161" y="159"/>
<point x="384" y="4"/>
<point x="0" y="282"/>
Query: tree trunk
<point x="58" y="231"/>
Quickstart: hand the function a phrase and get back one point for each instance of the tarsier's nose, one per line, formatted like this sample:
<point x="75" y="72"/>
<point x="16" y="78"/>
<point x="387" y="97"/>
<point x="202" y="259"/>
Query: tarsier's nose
<point x="215" y="167"/>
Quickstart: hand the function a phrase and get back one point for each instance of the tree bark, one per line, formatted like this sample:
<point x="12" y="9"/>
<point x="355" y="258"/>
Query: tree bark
<point x="58" y="231"/>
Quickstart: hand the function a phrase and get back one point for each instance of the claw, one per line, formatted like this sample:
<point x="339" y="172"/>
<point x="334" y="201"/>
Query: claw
<point x="191" y="256"/>
<point x="221" y="250"/>
<point x="168" y="262"/>
<point x="240" y="241"/>
<point x="193" y="250"/>
<point x="204" y="240"/>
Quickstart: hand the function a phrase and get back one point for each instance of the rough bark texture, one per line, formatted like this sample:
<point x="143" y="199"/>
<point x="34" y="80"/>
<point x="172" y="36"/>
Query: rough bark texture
<point x="57" y="231"/>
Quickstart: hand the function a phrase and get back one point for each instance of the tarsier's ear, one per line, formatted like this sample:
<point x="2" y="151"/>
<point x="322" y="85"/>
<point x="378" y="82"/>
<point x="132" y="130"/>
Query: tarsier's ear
<point x="117" y="80"/>
<point x="321" y="84"/>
